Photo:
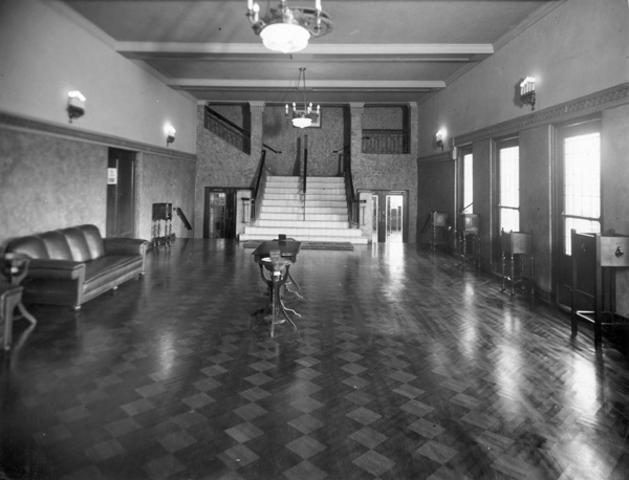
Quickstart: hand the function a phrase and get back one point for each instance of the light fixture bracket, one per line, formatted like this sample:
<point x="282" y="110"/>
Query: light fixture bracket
<point x="527" y="92"/>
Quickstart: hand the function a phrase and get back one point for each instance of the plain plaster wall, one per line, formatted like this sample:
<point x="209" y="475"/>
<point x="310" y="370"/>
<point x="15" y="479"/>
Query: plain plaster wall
<point x="579" y="48"/>
<point x="50" y="175"/>
<point x="44" y="54"/>
<point x="321" y="142"/>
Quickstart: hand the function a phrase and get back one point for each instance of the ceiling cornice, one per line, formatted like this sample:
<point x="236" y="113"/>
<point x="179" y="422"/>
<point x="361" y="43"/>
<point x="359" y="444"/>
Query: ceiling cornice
<point x="528" y="22"/>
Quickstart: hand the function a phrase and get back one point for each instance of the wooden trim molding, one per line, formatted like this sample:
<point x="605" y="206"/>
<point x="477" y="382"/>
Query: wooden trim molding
<point x="437" y="157"/>
<point x="16" y="122"/>
<point x="563" y="112"/>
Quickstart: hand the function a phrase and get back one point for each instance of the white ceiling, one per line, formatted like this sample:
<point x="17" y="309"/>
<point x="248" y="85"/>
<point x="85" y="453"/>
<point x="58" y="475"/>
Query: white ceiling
<point x="378" y="51"/>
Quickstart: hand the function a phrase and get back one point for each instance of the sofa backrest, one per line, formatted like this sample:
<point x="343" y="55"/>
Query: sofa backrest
<point x="80" y="244"/>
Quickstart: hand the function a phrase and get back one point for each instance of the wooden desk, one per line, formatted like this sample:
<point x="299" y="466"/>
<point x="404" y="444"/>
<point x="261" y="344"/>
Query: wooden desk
<point x="275" y="258"/>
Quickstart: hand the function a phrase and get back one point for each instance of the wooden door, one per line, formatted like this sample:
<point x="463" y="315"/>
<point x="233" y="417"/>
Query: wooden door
<point x="120" y="193"/>
<point x="391" y="215"/>
<point x="220" y="213"/>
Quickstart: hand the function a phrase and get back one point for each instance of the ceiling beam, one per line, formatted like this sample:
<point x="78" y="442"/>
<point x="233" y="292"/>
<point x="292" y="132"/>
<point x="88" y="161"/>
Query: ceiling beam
<point x="336" y="49"/>
<point x="312" y="84"/>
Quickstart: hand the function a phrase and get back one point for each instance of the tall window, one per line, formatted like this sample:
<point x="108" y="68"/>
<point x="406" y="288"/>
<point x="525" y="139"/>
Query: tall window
<point x="509" y="188"/>
<point x="582" y="185"/>
<point x="468" y="183"/>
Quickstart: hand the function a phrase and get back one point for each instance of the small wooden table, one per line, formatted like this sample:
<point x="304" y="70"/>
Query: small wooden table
<point x="14" y="267"/>
<point x="275" y="258"/>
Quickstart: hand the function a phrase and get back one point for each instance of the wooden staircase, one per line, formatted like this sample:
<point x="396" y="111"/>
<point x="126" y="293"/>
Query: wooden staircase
<point x="318" y="216"/>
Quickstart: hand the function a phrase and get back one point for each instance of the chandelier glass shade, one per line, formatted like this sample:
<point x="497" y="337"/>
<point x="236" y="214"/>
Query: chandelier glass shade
<point x="287" y="30"/>
<point x="306" y="115"/>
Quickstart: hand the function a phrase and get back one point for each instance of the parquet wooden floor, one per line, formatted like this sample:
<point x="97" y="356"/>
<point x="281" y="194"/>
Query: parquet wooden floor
<point x="403" y="367"/>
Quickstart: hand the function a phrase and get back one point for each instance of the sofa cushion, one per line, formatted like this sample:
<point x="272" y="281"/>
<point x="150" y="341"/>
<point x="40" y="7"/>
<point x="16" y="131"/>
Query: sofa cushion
<point x="32" y="245"/>
<point x="56" y="245"/>
<point x="107" y="269"/>
<point x="94" y="240"/>
<point x="78" y="244"/>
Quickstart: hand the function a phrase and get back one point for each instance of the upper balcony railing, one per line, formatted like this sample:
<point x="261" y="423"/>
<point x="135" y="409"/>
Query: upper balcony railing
<point x="227" y="130"/>
<point x="393" y="142"/>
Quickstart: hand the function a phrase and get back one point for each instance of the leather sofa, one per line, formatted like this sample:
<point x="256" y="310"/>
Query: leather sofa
<point x="73" y="265"/>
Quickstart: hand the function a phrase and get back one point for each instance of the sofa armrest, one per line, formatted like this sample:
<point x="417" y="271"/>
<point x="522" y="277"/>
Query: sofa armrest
<point x="125" y="246"/>
<point x="56" y="269"/>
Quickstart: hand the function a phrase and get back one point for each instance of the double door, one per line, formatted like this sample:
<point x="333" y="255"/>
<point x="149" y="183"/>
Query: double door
<point x="219" y="219"/>
<point x="389" y="216"/>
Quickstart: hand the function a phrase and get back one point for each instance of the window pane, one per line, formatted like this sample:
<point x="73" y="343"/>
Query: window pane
<point x="509" y="177"/>
<point x="468" y="183"/>
<point x="582" y="166"/>
<point x="581" y="226"/>
<point x="509" y="219"/>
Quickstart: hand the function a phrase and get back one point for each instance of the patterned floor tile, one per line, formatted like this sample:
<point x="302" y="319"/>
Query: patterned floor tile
<point x="306" y="404"/>
<point x="305" y="446"/>
<point x="374" y="463"/>
<point x="368" y="437"/>
<point x="305" y="471"/>
<point x="426" y="428"/>
<point x="238" y="456"/>
<point x="306" y="423"/>
<point x="437" y="451"/>
<point x="364" y="415"/>
<point x="244" y="432"/>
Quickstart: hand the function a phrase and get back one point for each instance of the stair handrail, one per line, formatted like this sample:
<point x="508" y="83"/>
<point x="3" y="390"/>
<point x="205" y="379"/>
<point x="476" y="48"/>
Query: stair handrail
<point x="240" y="132"/>
<point x="350" y="193"/>
<point x="305" y="175"/>
<point x="258" y="181"/>
<point x="183" y="218"/>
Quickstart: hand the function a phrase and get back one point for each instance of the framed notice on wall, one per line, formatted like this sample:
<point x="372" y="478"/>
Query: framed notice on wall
<point x="112" y="176"/>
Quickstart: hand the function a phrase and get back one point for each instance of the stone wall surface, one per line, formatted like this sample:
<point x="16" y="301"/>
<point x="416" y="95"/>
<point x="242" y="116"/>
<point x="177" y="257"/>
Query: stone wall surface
<point x="48" y="183"/>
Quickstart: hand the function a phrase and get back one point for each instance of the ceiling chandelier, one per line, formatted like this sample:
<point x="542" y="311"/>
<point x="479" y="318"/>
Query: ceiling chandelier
<point x="287" y="30"/>
<point x="307" y="115"/>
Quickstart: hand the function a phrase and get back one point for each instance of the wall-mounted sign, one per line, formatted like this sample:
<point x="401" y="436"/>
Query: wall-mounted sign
<point x="112" y="176"/>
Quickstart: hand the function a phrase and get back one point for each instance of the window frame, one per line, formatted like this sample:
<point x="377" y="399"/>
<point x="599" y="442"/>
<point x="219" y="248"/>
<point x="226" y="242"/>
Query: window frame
<point x="581" y="129"/>
<point x="463" y="207"/>
<point x="500" y="145"/>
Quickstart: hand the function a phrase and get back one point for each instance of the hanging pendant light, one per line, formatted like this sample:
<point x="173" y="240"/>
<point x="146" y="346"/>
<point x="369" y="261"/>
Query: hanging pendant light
<point x="306" y="115"/>
<point x="288" y="30"/>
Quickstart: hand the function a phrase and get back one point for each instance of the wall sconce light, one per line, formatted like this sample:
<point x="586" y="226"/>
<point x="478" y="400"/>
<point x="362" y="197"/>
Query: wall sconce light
<point x="169" y="131"/>
<point x="527" y="92"/>
<point x="440" y="137"/>
<point x="76" y="105"/>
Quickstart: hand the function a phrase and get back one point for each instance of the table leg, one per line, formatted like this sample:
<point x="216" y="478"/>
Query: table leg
<point x="10" y="302"/>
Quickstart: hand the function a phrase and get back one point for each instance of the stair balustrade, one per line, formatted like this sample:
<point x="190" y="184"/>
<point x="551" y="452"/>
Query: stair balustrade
<point x="258" y="186"/>
<point x="233" y="134"/>
<point x="383" y="141"/>
<point x="350" y="193"/>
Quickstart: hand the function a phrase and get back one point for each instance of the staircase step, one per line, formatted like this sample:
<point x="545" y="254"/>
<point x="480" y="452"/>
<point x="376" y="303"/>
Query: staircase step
<point x="315" y="217"/>
<point x="299" y="222"/>
<point x="312" y="190"/>
<point x="309" y="230"/>
<point x="309" y="203"/>
<point x="276" y="211"/>
<point x="304" y="238"/>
